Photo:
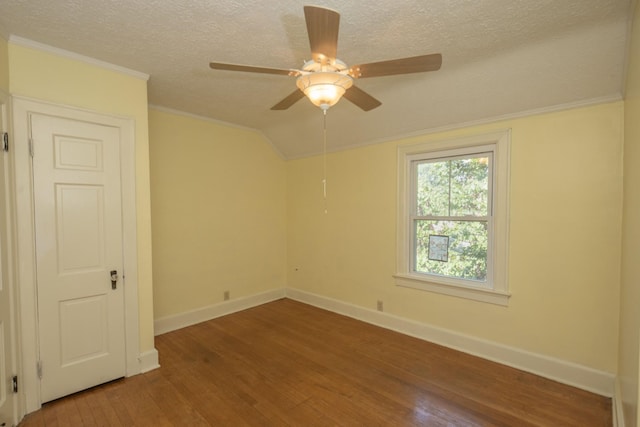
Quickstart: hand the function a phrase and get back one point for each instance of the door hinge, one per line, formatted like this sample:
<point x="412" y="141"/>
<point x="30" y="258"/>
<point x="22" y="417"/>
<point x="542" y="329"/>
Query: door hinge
<point x="31" y="147"/>
<point x="14" y="383"/>
<point x="39" y="369"/>
<point x="5" y="141"/>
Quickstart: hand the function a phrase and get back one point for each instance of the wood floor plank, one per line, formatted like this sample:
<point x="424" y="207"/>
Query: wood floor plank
<point x="86" y="414"/>
<point x="103" y="412"/>
<point x="289" y="364"/>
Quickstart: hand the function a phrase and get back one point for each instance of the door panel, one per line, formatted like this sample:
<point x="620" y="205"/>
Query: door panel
<point x="80" y="228"/>
<point x="83" y="329"/>
<point x="78" y="223"/>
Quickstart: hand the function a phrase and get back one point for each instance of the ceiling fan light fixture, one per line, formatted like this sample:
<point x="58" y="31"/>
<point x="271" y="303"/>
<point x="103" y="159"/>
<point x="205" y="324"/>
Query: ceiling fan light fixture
<point x="324" y="89"/>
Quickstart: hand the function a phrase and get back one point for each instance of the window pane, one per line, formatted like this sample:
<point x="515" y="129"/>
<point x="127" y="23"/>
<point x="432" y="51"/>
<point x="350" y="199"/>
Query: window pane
<point x="455" y="187"/>
<point x="466" y="253"/>
<point x="432" y="188"/>
<point x="469" y="186"/>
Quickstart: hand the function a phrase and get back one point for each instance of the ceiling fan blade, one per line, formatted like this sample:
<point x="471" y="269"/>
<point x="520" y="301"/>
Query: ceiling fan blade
<point x="322" y="27"/>
<point x="252" y="69"/>
<point x="289" y="100"/>
<point x="415" y="64"/>
<point x="361" y="98"/>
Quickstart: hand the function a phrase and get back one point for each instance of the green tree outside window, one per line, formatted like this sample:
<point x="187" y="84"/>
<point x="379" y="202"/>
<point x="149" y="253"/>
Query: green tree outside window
<point x="453" y="200"/>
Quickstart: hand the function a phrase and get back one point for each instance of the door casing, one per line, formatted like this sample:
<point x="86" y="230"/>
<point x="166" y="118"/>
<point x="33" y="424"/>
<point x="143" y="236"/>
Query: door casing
<point x="25" y="250"/>
<point x="12" y="365"/>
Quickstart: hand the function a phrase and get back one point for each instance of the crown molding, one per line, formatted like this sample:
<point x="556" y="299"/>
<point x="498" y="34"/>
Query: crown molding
<point x="20" y="41"/>
<point x="485" y="121"/>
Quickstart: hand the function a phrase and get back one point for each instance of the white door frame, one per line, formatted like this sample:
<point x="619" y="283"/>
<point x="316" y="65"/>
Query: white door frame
<point x="24" y="208"/>
<point x="7" y="233"/>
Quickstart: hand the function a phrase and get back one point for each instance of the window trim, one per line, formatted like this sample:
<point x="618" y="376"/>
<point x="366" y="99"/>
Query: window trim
<point x="495" y="292"/>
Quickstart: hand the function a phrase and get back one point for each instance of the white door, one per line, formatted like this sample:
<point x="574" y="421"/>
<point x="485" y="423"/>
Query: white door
<point x="78" y="227"/>
<point x="7" y="360"/>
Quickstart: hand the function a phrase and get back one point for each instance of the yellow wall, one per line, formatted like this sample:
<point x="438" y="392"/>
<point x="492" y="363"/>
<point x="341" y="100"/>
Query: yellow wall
<point x="4" y="65"/>
<point x="218" y="209"/>
<point x="630" y="283"/>
<point x="229" y="214"/>
<point x="566" y="199"/>
<point x="40" y="75"/>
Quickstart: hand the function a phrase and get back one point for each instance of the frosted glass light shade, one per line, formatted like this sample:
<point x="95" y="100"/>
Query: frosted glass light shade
<point x="324" y="89"/>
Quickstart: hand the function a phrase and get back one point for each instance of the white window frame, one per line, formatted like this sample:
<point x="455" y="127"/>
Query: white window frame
<point x="495" y="289"/>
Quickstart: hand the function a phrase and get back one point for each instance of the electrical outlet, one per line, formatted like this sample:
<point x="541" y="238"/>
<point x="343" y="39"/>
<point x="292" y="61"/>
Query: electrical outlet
<point x="226" y="295"/>
<point x="380" y="306"/>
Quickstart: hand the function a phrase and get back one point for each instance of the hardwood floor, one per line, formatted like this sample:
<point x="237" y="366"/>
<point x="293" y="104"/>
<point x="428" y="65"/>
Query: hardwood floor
<point x="290" y="364"/>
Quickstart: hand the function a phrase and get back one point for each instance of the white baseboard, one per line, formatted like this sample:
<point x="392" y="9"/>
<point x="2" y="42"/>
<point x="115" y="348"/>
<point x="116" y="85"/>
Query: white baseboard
<point x="182" y="320"/>
<point x="148" y="361"/>
<point x="562" y="371"/>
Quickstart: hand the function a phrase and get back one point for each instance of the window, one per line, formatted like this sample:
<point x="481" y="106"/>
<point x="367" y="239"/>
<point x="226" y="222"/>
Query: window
<point x="453" y="217"/>
<point x="451" y="214"/>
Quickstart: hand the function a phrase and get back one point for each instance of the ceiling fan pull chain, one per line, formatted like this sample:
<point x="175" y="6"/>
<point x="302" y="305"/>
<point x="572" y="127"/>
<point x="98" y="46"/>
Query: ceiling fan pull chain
<point x="324" y="158"/>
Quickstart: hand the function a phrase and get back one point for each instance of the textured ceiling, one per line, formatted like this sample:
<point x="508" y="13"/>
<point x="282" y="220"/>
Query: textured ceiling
<point x="500" y="57"/>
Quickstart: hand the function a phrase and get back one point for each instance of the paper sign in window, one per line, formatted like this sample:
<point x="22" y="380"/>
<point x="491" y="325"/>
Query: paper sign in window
<point x="439" y="248"/>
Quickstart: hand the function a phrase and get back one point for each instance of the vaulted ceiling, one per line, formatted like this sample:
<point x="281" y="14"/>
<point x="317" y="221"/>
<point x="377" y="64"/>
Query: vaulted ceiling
<point x="500" y="57"/>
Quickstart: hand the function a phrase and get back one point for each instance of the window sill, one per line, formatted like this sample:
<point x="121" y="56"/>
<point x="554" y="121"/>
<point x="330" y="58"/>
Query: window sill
<point x="473" y="293"/>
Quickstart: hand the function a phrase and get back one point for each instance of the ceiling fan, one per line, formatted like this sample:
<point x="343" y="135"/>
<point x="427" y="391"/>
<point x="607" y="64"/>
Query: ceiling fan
<point x="325" y="79"/>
